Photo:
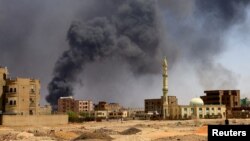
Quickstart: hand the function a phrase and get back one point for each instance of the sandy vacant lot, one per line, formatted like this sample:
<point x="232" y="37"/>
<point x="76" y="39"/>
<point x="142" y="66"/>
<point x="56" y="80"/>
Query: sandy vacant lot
<point x="132" y="130"/>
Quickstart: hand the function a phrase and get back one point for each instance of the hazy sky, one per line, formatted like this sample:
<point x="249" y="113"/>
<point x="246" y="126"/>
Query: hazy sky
<point x="206" y="43"/>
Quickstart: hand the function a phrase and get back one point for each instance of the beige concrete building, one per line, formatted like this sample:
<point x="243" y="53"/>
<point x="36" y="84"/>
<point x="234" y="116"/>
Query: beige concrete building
<point x="118" y="114"/>
<point x="198" y="110"/>
<point x="101" y="114"/>
<point x="45" y="110"/>
<point x="19" y="103"/>
<point x="83" y="106"/>
<point x="66" y="104"/>
<point x="18" y="96"/>
<point x="104" y="106"/>
<point x="22" y="96"/>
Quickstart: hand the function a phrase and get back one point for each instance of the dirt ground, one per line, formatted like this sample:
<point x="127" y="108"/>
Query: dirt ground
<point x="132" y="130"/>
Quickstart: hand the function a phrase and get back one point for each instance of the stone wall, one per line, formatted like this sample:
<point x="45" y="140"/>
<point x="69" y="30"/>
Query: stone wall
<point x="34" y="120"/>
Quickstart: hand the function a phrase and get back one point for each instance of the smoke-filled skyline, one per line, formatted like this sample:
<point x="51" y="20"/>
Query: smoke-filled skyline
<point x="112" y="50"/>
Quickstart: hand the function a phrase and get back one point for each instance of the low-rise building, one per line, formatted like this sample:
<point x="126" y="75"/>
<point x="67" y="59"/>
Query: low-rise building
<point x="102" y="105"/>
<point x="197" y="110"/>
<point x="118" y="114"/>
<point x="101" y="114"/>
<point x="156" y="105"/>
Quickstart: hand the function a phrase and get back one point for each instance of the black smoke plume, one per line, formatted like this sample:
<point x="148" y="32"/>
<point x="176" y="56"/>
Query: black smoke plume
<point x="131" y="34"/>
<point x="138" y="32"/>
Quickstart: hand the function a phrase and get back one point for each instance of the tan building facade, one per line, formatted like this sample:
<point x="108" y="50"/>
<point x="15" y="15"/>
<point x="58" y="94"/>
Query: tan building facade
<point x="18" y="96"/>
<point x="83" y="106"/>
<point x="66" y="104"/>
<point x="202" y="111"/>
<point x="118" y="114"/>
<point x="156" y="105"/>
<point x="22" y="96"/>
<point x="19" y="103"/>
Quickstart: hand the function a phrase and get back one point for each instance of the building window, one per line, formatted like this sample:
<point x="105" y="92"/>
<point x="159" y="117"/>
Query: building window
<point x="219" y="108"/>
<point x="207" y="109"/>
<point x="200" y="109"/>
<point x="185" y="109"/>
<point x="14" y="102"/>
<point x="11" y="102"/>
<point x="14" y="89"/>
<point x="200" y="116"/>
<point x="213" y="108"/>
<point x="11" y="90"/>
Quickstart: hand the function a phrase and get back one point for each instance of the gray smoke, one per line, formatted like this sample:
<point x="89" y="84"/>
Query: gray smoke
<point x="126" y="42"/>
<point x="131" y="34"/>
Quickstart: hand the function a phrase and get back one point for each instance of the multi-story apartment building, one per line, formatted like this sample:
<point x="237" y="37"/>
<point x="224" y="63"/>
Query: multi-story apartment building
<point x="19" y="96"/>
<point x="22" y="96"/>
<point x="83" y="106"/>
<point x="66" y="104"/>
<point x="230" y="98"/>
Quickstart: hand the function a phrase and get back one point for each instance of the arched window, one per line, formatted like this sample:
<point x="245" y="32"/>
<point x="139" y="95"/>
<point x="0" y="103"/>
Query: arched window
<point x="14" y="103"/>
<point x="14" y="89"/>
<point x="11" y="102"/>
<point x="11" y="90"/>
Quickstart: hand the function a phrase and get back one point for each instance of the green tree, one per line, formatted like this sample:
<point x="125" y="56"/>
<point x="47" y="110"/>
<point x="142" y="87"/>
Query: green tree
<point x="73" y="117"/>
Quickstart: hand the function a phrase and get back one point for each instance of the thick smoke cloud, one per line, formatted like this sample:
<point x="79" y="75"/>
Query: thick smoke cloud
<point x="194" y="31"/>
<point x="36" y="35"/>
<point x="131" y="34"/>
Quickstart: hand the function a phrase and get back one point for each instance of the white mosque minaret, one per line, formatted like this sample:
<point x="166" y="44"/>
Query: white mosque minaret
<point x="165" y="113"/>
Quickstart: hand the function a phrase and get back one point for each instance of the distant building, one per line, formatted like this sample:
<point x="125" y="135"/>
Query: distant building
<point x="101" y="114"/>
<point x="66" y="104"/>
<point x="153" y="105"/>
<point x="230" y="98"/>
<point x="118" y="114"/>
<point x="83" y="106"/>
<point x="196" y="109"/>
<point x="133" y="112"/>
<point x="156" y="105"/>
<point x="45" y="110"/>
<point x="104" y="106"/>
<point x="167" y="107"/>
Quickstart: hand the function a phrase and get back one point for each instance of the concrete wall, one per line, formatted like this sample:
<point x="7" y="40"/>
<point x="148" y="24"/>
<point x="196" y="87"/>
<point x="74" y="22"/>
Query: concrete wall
<point x="25" y="120"/>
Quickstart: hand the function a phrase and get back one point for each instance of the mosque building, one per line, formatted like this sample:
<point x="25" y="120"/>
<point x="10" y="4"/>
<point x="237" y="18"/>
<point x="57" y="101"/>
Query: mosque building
<point x="167" y="107"/>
